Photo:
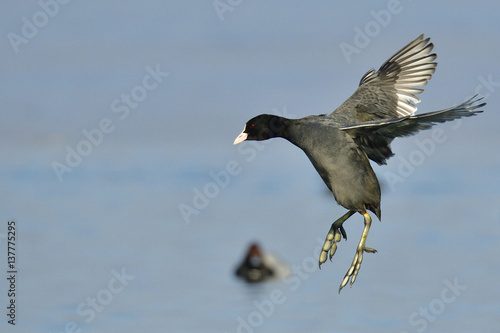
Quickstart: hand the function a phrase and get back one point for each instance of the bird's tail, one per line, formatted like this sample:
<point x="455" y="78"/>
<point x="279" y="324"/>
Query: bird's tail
<point x="466" y="109"/>
<point x="375" y="137"/>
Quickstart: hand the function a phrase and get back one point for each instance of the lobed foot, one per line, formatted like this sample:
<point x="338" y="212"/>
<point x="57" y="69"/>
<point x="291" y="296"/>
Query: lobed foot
<point x="330" y="245"/>
<point x="336" y="232"/>
<point x="353" y="271"/>
<point x="355" y="266"/>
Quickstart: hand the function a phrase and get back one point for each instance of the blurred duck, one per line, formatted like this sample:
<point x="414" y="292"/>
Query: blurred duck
<point x="258" y="266"/>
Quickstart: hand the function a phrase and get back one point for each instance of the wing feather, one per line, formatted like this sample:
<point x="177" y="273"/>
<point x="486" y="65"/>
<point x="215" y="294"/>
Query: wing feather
<point x="391" y="91"/>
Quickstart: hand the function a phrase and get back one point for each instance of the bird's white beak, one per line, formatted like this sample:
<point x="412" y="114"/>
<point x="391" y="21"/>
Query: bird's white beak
<point x="240" y="138"/>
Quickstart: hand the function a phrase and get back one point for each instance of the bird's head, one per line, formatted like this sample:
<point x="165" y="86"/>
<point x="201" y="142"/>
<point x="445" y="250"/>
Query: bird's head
<point x="263" y="127"/>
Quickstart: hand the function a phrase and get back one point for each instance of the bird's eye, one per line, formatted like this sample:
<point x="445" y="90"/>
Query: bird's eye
<point x="252" y="126"/>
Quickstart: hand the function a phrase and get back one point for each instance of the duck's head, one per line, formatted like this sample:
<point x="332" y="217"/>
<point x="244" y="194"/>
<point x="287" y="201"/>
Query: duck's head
<point x="263" y="127"/>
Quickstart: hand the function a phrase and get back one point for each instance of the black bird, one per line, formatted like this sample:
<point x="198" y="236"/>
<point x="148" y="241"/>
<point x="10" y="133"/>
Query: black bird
<point x="339" y="144"/>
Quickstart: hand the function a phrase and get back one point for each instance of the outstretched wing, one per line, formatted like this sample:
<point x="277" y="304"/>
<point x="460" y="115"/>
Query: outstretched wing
<point x="391" y="91"/>
<point x="374" y="137"/>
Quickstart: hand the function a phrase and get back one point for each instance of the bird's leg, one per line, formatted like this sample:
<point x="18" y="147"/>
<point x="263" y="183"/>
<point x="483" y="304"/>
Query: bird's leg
<point x="334" y="236"/>
<point x="358" y="258"/>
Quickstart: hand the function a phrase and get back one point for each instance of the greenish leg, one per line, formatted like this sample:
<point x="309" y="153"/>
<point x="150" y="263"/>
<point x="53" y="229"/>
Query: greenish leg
<point x="336" y="232"/>
<point x="358" y="258"/>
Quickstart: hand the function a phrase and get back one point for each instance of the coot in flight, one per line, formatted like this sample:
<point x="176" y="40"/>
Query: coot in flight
<point x="339" y="144"/>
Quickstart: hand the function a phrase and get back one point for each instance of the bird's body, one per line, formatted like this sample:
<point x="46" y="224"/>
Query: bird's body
<point x="344" y="168"/>
<point x="340" y="144"/>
